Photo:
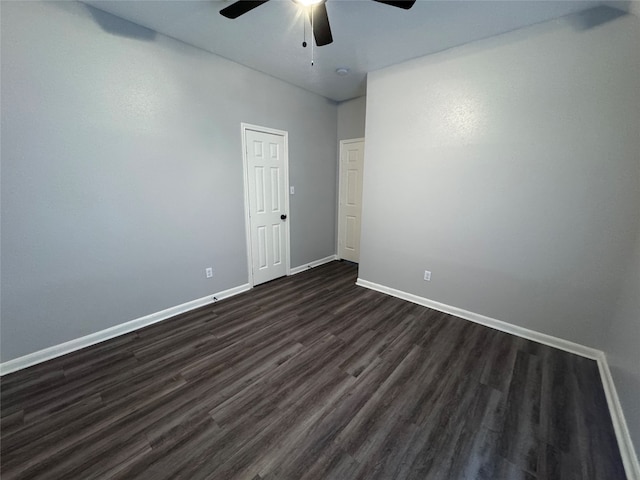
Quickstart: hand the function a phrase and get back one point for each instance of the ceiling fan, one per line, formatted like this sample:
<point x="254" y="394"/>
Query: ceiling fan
<point x="317" y="11"/>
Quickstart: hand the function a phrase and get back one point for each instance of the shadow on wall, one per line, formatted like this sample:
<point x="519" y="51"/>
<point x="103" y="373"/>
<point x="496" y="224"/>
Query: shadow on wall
<point x="594" y="17"/>
<point x="122" y="28"/>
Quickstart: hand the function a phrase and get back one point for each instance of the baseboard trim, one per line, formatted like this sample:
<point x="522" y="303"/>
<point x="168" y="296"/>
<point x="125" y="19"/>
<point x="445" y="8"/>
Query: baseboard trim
<point x="55" y="351"/>
<point x="543" y="338"/>
<point x="315" y="263"/>
<point x="625" y="444"/>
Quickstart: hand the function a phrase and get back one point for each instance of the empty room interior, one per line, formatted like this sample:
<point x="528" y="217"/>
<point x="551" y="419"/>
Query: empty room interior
<point x="326" y="239"/>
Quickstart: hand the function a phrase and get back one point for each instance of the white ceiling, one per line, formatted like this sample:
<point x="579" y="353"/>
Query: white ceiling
<point x="367" y="35"/>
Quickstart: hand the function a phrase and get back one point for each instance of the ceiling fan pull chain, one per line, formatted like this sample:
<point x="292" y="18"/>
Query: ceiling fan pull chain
<point x="312" y="42"/>
<point x="304" y="32"/>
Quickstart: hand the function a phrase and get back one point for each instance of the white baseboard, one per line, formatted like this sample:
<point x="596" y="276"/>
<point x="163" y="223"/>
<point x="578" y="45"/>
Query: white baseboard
<point x="112" y="332"/>
<point x="625" y="444"/>
<point x="117" y="330"/>
<point x="487" y="321"/>
<point x="315" y="263"/>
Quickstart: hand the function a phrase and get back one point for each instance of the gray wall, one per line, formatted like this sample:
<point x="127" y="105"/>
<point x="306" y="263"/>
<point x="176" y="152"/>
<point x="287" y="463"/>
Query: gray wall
<point x="623" y="346"/>
<point x="509" y="168"/>
<point x="351" y="118"/>
<point x="122" y="171"/>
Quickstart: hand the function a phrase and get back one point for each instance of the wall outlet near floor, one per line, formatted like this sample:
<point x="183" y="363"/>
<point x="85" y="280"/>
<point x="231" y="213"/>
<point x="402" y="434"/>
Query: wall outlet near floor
<point x="427" y="276"/>
<point x="208" y="272"/>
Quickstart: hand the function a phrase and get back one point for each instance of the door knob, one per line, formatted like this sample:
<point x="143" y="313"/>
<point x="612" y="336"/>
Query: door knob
<point x="283" y="217"/>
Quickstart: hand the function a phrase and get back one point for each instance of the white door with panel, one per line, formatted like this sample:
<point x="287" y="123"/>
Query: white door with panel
<point x="267" y="188"/>
<point x="350" y="204"/>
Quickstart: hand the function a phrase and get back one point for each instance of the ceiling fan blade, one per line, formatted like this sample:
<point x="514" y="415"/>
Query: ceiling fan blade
<point x="405" y="4"/>
<point x="321" y="28"/>
<point x="240" y="8"/>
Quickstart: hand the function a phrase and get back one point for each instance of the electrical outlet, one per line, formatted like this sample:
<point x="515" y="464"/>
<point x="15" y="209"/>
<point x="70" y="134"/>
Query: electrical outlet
<point x="292" y="190"/>
<point x="208" y="272"/>
<point x="427" y="276"/>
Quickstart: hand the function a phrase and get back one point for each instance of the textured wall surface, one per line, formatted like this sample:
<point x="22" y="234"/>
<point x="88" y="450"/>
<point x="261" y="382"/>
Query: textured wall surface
<point x="122" y="171"/>
<point x="509" y="168"/>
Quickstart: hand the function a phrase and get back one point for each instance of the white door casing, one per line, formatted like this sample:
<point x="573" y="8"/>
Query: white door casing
<point x="266" y="202"/>
<point x="350" y="201"/>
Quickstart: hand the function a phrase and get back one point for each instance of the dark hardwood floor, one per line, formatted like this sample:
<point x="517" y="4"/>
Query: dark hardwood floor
<point x="310" y="377"/>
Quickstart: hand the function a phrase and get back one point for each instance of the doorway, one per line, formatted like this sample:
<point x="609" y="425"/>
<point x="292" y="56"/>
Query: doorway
<point x="266" y="187"/>
<point x="350" y="198"/>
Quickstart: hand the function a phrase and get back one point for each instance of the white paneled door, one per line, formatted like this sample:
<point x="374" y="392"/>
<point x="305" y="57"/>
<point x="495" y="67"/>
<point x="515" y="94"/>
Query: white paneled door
<point x="350" y="206"/>
<point x="267" y="188"/>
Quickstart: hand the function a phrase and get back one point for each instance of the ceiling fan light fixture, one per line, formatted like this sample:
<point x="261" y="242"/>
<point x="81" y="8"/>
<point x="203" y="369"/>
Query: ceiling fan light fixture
<point x="309" y="3"/>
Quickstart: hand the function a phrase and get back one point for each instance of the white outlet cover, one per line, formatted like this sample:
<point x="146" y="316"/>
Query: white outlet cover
<point x="427" y="275"/>
<point x="292" y="190"/>
<point x="209" y="272"/>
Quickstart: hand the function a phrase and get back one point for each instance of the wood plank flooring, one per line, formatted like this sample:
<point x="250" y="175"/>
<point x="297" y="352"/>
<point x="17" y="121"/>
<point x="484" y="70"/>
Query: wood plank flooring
<point x="310" y="377"/>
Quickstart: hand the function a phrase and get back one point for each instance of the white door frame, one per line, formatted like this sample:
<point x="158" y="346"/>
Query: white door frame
<point x="245" y="178"/>
<point x="340" y="180"/>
